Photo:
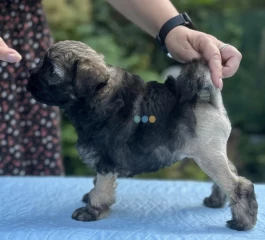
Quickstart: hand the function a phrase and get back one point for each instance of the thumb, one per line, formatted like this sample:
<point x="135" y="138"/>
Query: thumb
<point x="8" y="54"/>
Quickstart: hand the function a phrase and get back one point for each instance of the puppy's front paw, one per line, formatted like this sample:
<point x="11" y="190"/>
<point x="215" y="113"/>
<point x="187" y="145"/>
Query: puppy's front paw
<point x="89" y="213"/>
<point x="81" y="214"/>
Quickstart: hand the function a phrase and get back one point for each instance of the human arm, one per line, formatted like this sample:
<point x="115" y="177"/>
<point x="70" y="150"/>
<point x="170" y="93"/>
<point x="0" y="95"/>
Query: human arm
<point x="183" y="43"/>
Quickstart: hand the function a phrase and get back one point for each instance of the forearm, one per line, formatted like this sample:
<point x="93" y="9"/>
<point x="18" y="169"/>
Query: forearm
<point x="150" y="15"/>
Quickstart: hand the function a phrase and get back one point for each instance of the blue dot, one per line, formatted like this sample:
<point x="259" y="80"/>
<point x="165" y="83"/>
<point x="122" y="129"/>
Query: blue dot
<point x="137" y="119"/>
<point x="144" y="119"/>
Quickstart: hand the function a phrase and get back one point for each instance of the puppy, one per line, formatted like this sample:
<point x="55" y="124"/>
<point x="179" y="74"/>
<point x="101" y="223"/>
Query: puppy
<point x="104" y="103"/>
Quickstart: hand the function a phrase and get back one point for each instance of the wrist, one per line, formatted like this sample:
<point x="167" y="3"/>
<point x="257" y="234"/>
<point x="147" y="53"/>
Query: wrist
<point x="173" y="23"/>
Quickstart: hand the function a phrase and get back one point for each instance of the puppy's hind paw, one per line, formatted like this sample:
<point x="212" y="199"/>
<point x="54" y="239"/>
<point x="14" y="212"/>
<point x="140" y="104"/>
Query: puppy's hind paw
<point x="212" y="202"/>
<point x="85" y="198"/>
<point x="237" y="226"/>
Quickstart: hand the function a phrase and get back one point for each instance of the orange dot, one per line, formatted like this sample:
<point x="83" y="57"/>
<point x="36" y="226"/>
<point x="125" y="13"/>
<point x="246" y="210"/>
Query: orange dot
<point x="152" y="119"/>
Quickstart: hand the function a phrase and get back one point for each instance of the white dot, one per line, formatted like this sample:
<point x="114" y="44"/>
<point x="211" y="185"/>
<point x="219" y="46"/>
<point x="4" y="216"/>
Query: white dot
<point x="29" y="123"/>
<point x="52" y="115"/>
<point x="49" y="146"/>
<point x="7" y="117"/>
<point x="21" y="6"/>
<point x="17" y="147"/>
<point x="32" y="101"/>
<point x="49" y="138"/>
<point x="32" y="65"/>
<point x="15" y="42"/>
<point x="13" y="122"/>
<point x="10" y="97"/>
<point x="9" y="130"/>
<point x="48" y="124"/>
<point x="17" y="155"/>
<point x="23" y="74"/>
<point x="12" y="112"/>
<point x="38" y="35"/>
<point x="37" y="133"/>
<point x="13" y="87"/>
<point x="4" y="64"/>
<point x="16" y="132"/>
<point x="11" y="150"/>
<point x="35" y="45"/>
<point x="25" y="140"/>
<point x="5" y="75"/>
<point x="4" y="142"/>
<point x="22" y="172"/>
<point x="22" y="123"/>
<point x="13" y="14"/>
<point x="4" y="94"/>
<point x="42" y="121"/>
<point x="15" y="171"/>
<point x="28" y="15"/>
<point x="28" y="56"/>
<point x="6" y="36"/>
<point x="17" y="65"/>
<point x="44" y="141"/>
<point x="19" y="89"/>
<point x="52" y="164"/>
<point x="56" y="155"/>
<point x="24" y="164"/>
<point x="30" y="41"/>
<point x="47" y="161"/>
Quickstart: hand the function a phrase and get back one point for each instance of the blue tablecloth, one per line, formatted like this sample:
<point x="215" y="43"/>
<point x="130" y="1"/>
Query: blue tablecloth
<point x="36" y="208"/>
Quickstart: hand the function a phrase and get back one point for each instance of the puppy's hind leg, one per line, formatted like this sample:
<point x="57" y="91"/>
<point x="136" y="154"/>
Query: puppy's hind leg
<point x="98" y="200"/>
<point x="239" y="190"/>
<point x="217" y="199"/>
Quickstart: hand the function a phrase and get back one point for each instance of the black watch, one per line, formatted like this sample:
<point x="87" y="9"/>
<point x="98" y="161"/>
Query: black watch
<point x="182" y="19"/>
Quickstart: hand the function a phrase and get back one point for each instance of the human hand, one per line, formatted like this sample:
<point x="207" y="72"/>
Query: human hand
<point x="185" y="44"/>
<point x="8" y="54"/>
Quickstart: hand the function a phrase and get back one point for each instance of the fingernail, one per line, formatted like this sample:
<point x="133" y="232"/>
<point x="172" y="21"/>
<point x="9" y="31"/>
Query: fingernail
<point x="13" y="57"/>
<point x="221" y="84"/>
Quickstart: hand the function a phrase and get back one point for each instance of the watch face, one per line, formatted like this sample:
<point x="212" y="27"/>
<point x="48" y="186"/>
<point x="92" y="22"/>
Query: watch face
<point x="188" y="19"/>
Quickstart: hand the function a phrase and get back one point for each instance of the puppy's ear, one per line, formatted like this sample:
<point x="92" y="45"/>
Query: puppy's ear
<point x="89" y="77"/>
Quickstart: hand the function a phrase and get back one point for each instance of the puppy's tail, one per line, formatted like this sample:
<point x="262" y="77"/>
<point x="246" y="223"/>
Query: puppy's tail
<point x="195" y="84"/>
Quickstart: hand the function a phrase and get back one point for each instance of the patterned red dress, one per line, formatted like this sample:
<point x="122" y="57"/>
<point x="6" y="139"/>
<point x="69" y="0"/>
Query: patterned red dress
<point x="29" y="131"/>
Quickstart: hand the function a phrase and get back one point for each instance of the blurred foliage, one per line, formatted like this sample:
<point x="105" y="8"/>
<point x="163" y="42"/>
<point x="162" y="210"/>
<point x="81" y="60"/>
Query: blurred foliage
<point x="238" y="22"/>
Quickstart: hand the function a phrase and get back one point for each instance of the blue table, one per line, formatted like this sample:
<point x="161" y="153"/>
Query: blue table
<point x="36" y="208"/>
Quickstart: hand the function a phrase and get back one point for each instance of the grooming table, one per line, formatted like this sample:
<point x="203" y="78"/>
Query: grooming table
<point x="36" y="208"/>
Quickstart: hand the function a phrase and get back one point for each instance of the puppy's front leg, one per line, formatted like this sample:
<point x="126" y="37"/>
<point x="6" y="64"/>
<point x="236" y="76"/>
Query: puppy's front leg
<point x="98" y="200"/>
<point x="218" y="198"/>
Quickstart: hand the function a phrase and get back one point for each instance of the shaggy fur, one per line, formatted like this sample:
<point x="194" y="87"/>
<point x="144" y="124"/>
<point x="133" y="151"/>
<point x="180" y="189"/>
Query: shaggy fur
<point x="101" y="101"/>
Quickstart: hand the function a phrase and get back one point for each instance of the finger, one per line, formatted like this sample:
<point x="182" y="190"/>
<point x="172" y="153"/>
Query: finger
<point x="212" y="55"/>
<point x="2" y="43"/>
<point x="231" y="61"/>
<point x="8" y="54"/>
<point x="231" y="66"/>
<point x="210" y="51"/>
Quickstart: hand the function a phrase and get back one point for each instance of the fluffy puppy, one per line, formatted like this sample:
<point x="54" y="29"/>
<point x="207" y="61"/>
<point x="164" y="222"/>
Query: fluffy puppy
<point x="102" y="102"/>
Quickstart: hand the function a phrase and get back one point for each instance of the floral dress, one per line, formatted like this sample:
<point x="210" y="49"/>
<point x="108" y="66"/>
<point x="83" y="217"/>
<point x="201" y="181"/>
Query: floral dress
<point x="29" y="131"/>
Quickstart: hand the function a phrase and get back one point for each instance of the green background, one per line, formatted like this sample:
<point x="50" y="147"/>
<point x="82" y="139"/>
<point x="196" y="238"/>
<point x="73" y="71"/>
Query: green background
<point x="240" y="23"/>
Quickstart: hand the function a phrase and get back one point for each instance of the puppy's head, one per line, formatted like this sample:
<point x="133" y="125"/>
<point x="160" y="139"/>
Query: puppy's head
<point x="70" y="70"/>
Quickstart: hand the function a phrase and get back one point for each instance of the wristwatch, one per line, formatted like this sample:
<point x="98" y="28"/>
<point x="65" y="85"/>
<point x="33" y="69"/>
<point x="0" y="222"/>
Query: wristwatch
<point x="182" y="19"/>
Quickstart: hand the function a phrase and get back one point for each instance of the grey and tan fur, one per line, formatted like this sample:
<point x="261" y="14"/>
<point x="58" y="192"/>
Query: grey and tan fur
<point x="101" y="102"/>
